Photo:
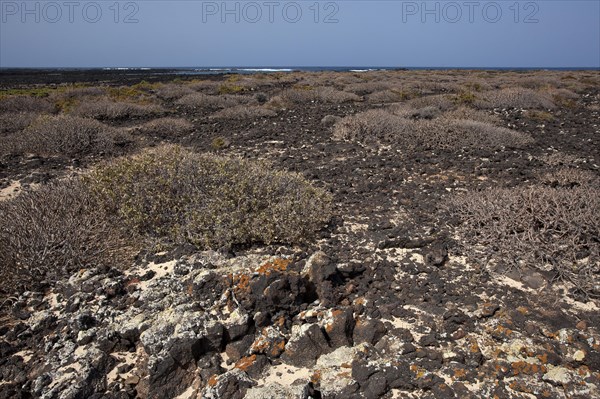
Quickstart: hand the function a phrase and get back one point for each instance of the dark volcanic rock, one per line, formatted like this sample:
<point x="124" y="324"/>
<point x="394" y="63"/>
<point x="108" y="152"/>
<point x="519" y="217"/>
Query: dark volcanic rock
<point x="306" y="344"/>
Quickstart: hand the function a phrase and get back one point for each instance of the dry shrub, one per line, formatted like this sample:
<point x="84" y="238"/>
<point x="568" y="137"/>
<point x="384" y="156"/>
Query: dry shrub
<point x="473" y="115"/>
<point x="205" y="86"/>
<point x="333" y="96"/>
<point x="539" y="116"/>
<point x="455" y="134"/>
<point x="364" y="88"/>
<point x="299" y="96"/>
<point x="306" y="94"/>
<point x="244" y="112"/>
<point x="166" y="127"/>
<point x="205" y="101"/>
<point x="172" y="91"/>
<point x="537" y="227"/>
<point x="12" y="122"/>
<point x="561" y="159"/>
<point x="569" y="177"/>
<point x="441" y="101"/>
<point x="373" y="127"/>
<point x="53" y="232"/>
<point x="169" y="193"/>
<point x="26" y="104"/>
<point x="107" y="109"/>
<point x="514" y="97"/>
<point x="388" y="96"/>
<point x="69" y="136"/>
<point x="330" y="120"/>
<point x="376" y="127"/>
<point x="66" y="100"/>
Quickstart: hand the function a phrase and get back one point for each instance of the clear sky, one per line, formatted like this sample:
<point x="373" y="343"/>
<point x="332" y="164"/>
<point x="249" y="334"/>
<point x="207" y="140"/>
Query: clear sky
<point x="157" y="33"/>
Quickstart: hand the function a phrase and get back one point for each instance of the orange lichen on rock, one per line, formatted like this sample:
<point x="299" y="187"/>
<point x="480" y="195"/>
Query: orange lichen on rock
<point x="523" y="310"/>
<point x="315" y="378"/>
<point x="245" y="362"/>
<point x="522" y="367"/>
<point x="278" y="264"/>
<point x="212" y="380"/>
<point x="242" y="281"/>
<point x="459" y="374"/>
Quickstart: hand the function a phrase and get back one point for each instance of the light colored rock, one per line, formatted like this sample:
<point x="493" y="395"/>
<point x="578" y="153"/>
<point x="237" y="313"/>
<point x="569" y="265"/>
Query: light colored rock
<point x="557" y="375"/>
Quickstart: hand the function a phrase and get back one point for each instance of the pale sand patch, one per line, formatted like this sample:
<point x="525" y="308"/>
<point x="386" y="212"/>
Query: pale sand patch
<point x="505" y="280"/>
<point x="122" y="357"/>
<point x="161" y="270"/>
<point x="224" y="364"/>
<point x="399" y="323"/>
<point x="12" y="190"/>
<point x="460" y="260"/>
<point x="26" y="355"/>
<point x="590" y="306"/>
<point x="189" y="393"/>
<point x="289" y="374"/>
<point x="417" y="258"/>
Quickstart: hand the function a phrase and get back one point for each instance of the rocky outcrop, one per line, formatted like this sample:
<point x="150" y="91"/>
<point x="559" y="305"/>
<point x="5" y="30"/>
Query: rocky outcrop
<point x="257" y="325"/>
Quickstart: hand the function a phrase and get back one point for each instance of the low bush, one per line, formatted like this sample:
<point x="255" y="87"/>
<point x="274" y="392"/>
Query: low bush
<point x="244" y="112"/>
<point x="468" y="113"/>
<point x="536" y="227"/>
<point x="389" y="96"/>
<point x="12" y="122"/>
<point x="330" y="120"/>
<point x="514" y="97"/>
<point x="69" y="136"/>
<point x="169" y="193"/>
<point x="166" y="127"/>
<point x="377" y="127"/>
<point x="307" y="94"/>
<point x="568" y="177"/>
<point x="364" y="88"/>
<point x="172" y="91"/>
<point x="373" y="127"/>
<point x="26" y="104"/>
<point x="204" y="101"/>
<point x="107" y="109"/>
<point x="51" y="233"/>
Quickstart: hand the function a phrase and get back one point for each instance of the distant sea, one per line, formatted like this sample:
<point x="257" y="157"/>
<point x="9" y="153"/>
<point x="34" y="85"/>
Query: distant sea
<point x="251" y="70"/>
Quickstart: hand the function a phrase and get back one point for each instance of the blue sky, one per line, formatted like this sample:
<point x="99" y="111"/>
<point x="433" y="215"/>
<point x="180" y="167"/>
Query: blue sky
<point x="156" y="33"/>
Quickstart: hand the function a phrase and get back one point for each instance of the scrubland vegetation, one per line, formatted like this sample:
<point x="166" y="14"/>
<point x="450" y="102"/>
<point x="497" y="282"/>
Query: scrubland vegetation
<point x="129" y="194"/>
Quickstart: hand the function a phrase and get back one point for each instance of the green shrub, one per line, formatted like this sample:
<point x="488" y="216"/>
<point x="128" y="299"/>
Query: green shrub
<point x="536" y="227"/>
<point x="172" y="194"/>
<point x="218" y="143"/>
<point x="52" y="232"/>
